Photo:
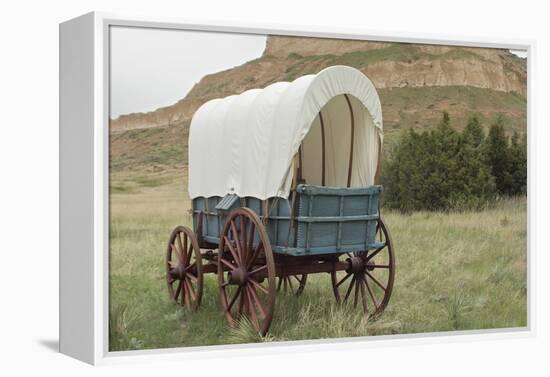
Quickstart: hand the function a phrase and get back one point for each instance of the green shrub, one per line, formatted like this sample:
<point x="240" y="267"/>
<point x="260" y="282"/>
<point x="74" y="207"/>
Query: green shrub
<point x="443" y="169"/>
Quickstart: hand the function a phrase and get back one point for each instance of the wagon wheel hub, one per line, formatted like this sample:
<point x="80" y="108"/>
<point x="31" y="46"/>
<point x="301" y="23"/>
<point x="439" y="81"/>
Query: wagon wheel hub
<point x="178" y="271"/>
<point x="357" y="265"/>
<point x="238" y="276"/>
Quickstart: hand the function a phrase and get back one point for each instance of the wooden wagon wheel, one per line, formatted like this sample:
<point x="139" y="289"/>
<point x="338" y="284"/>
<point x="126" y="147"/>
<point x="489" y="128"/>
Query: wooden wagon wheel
<point x="369" y="277"/>
<point x="246" y="270"/>
<point x="293" y="283"/>
<point x="184" y="268"/>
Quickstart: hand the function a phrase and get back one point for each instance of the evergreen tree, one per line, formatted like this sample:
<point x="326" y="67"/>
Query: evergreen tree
<point x="473" y="134"/>
<point x="440" y="173"/>
<point x="401" y="173"/>
<point x="419" y="175"/>
<point x="498" y="157"/>
<point x="518" y="164"/>
<point x="443" y="169"/>
<point x="476" y="184"/>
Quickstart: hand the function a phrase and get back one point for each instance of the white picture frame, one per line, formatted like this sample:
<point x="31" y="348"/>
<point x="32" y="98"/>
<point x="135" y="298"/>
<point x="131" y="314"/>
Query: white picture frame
<point x="84" y="182"/>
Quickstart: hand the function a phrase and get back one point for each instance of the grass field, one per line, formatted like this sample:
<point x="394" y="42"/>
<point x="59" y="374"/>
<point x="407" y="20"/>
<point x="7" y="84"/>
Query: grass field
<point x="455" y="271"/>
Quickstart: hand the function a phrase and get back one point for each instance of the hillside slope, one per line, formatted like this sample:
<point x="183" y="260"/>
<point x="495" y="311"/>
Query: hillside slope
<point x="389" y="65"/>
<point x="416" y="84"/>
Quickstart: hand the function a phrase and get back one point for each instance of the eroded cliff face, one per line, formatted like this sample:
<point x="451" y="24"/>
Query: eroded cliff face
<point x="446" y="72"/>
<point x="408" y="65"/>
<point x="388" y="65"/>
<point x="283" y="46"/>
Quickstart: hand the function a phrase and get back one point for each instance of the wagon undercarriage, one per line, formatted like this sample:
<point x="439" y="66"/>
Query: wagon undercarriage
<point x="250" y="274"/>
<point x="284" y="268"/>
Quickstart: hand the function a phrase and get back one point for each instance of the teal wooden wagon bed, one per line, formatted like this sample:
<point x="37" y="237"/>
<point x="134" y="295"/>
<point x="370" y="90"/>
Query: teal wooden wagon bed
<point x="327" y="220"/>
<point x="282" y="181"/>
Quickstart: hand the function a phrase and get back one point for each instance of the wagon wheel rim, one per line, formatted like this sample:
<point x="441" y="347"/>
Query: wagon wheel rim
<point x="184" y="275"/>
<point x="246" y="271"/>
<point x="294" y="284"/>
<point x="369" y="287"/>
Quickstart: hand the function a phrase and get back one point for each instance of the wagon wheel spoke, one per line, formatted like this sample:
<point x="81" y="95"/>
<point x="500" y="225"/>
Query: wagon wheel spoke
<point x="178" y="290"/>
<point x="376" y="280"/>
<point x="254" y="255"/>
<point x="234" y="298"/>
<point x="190" y="289"/>
<point x="177" y="245"/>
<point x="252" y="309"/>
<point x="189" y="255"/>
<point x="258" y="302"/>
<point x="351" y="284"/>
<point x="356" y="293"/>
<point x="184" y="294"/>
<point x="189" y="294"/>
<point x="250" y="243"/>
<point x="176" y="252"/>
<point x="256" y="270"/>
<point x="234" y="253"/>
<point x="290" y="285"/>
<point x="258" y="285"/>
<point x="374" y="253"/>
<point x="364" y="296"/>
<point x="244" y="246"/>
<point x="228" y="264"/>
<point x="181" y="250"/>
<point x="242" y="304"/>
<point x="191" y="276"/>
<point x="237" y="243"/>
<point x="371" y="295"/>
<point x="185" y="250"/>
<point x="343" y="279"/>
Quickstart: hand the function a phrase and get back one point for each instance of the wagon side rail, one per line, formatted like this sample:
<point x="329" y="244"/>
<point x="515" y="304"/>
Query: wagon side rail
<point x="334" y="220"/>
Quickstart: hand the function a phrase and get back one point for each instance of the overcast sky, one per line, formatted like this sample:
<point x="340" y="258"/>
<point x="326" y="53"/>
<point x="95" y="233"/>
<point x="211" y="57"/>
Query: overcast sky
<point x="151" y="68"/>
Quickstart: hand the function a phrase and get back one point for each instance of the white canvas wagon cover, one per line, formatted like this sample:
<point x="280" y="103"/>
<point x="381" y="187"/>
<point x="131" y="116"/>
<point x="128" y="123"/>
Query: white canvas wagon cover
<point x="245" y="144"/>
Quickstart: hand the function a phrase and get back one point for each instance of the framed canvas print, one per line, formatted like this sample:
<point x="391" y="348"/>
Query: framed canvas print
<point x="228" y="188"/>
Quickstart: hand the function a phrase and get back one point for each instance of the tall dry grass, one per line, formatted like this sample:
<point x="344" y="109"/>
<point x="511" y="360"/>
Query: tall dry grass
<point x="455" y="271"/>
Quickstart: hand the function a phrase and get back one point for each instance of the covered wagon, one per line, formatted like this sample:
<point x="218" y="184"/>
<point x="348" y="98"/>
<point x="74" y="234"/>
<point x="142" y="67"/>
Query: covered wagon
<point x="283" y="185"/>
